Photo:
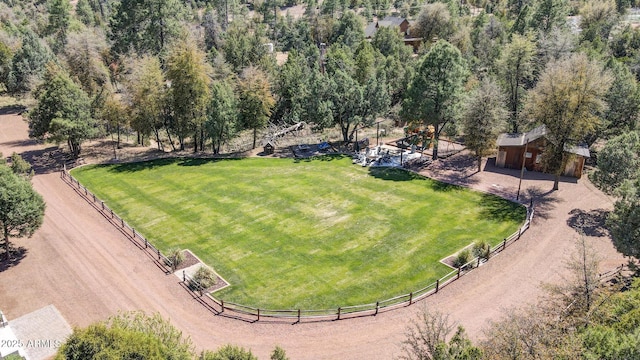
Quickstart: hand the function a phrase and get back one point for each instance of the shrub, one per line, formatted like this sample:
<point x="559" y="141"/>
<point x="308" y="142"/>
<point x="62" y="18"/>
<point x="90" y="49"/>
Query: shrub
<point x="176" y="256"/>
<point x="482" y="249"/>
<point x="462" y="258"/>
<point x="279" y="354"/>
<point x="206" y="277"/>
<point x="228" y="352"/>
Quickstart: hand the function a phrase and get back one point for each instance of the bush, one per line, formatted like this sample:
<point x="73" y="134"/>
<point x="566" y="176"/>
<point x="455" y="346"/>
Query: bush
<point x="279" y="354"/>
<point x="463" y="257"/>
<point x="228" y="352"/>
<point x="482" y="249"/>
<point x="206" y="277"/>
<point x="176" y="256"/>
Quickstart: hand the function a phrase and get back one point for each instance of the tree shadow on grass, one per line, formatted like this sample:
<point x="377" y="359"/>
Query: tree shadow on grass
<point x="327" y="157"/>
<point x="393" y="174"/>
<point x="590" y="223"/>
<point x="139" y="166"/>
<point x="499" y="209"/>
<point x="17" y="254"/>
<point x="202" y="161"/>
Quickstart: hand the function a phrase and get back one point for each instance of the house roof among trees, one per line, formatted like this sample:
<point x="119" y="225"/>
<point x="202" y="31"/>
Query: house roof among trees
<point x="388" y="21"/>
<point x="520" y="139"/>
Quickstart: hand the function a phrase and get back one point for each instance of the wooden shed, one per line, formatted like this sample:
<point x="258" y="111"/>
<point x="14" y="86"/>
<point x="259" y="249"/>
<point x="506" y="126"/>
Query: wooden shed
<point x="511" y="151"/>
<point x="269" y="148"/>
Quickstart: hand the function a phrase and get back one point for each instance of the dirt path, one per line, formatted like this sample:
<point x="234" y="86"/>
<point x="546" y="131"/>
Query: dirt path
<point x="89" y="271"/>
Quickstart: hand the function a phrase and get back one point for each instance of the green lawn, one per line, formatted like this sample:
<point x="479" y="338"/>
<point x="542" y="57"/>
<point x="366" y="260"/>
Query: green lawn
<point x="303" y="234"/>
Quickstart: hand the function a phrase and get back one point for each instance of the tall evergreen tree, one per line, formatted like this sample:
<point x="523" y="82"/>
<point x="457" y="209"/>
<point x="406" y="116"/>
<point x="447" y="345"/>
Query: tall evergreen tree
<point x="434" y="97"/>
<point x="222" y="114"/>
<point x="63" y="111"/>
<point x="21" y="207"/>
<point x="28" y="64"/>
<point x="145" y="26"/>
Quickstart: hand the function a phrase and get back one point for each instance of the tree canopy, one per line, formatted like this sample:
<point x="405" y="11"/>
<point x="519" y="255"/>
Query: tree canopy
<point x="569" y="101"/>
<point x="63" y="111"/>
<point x="434" y="97"/>
<point x="21" y="207"/>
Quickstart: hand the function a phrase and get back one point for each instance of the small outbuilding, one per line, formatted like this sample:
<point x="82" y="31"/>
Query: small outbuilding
<point x="269" y="148"/>
<point x="511" y="152"/>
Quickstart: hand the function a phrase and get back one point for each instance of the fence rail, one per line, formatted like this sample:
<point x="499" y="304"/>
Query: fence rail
<point x="221" y="306"/>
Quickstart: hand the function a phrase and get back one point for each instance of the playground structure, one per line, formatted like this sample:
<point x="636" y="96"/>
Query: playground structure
<point x="417" y="137"/>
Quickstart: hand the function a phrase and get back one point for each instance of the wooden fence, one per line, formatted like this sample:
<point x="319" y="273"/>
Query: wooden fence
<point x="243" y="311"/>
<point x="140" y="241"/>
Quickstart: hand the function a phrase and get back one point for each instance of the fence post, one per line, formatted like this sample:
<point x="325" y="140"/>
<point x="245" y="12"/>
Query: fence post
<point x="519" y="232"/>
<point x="258" y="314"/>
<point x="184" y="276"/>
<point x="339" y="312"/>
<point x="410" y="298"/>
<point x="94" y="197"/>
<point x="112" y="214"/>
<point x="459" y="272"/>
<point x="437" y="285"/>
<point x="133" y="231"/>
<point x="298" y="315"/>
<point x="146" y="244"/>
<point x="221" y="305"/>
<point x="158" y="254"/>
<point x="504" y="244"/>
<point x="122" y="221"/>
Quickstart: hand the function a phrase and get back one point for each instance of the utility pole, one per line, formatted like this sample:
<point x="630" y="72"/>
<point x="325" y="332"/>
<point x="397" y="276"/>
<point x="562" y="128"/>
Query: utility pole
<point x="524" y="158"/>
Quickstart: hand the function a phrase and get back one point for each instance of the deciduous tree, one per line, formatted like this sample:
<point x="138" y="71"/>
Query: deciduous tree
<point x="568" y="100"/>
<point x="147" y="97"/>
<point x="434" y="20"/>
<point x="83" y="55"/>
<point x="255" y="100"/>
<point x="188" y="72"/>
<point x="426" y="339"/>
<point x="228" y="352"/>
<point x="127" y="336"/>
<point x="484" y="117"/>
<point x="515" y="68"/>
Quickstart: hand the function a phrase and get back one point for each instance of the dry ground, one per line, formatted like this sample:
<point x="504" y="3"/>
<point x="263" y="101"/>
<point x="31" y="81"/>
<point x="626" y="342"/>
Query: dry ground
<point x="89" y="271"/>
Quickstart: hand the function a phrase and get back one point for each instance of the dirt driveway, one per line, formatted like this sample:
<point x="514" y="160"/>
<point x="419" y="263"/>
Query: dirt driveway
<point x="78" y="262"/>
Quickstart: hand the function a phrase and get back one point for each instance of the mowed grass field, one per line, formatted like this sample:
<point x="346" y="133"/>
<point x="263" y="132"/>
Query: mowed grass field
<point x="310" y="234"/>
